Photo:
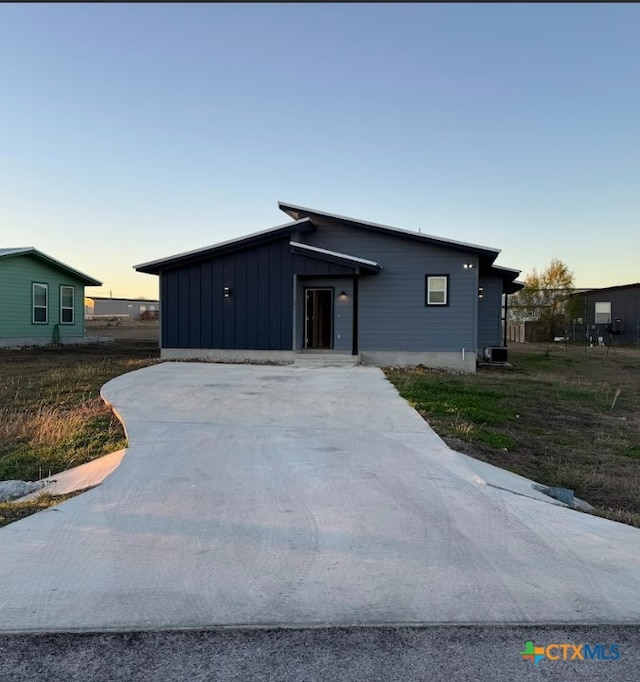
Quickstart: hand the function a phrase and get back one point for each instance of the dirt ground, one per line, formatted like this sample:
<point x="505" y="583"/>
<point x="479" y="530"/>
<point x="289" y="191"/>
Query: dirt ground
<point x="125" y="331"/>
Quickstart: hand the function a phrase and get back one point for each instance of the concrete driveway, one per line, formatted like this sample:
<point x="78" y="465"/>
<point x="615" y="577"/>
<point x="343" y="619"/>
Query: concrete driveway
<point x="262" y="495"/>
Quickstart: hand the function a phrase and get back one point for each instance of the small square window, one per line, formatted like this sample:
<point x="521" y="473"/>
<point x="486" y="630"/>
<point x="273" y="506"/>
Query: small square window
<point x="437" y="290"/>
<point x="603" y="312"/>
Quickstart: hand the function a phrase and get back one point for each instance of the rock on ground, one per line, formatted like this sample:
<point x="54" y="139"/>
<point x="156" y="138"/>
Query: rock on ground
<point x="11" y="490"/>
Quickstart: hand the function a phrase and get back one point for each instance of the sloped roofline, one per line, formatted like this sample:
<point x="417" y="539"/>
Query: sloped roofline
<point x="153" y="267"/>
<point x="509" y="282"/>
<point x="31" y="251"/>
<point x="303" y="222"/>
<point x="613" y="288"/>
<point x="334" y="256"/>
<point x="297" y="212"/>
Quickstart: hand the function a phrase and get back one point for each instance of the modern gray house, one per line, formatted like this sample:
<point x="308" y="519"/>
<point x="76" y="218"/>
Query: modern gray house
<point x="327" y="283"/>
<point x="610" y="314"/>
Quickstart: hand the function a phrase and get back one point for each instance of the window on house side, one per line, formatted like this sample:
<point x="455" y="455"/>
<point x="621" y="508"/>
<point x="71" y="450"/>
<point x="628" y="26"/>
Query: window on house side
<point x="603" y="312"/>
<point x="66" y="305"/>
<point x="40" y="300"/>
<point x="437" y="290"/>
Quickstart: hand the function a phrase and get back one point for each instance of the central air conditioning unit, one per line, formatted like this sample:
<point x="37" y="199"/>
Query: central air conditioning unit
<point x="495" y="354"/>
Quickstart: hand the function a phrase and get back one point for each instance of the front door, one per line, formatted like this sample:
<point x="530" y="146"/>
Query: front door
<point x="318" y="316"/>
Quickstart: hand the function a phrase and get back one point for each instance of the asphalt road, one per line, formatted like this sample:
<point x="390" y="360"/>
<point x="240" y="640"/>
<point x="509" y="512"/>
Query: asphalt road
<point x="431" y="654"/>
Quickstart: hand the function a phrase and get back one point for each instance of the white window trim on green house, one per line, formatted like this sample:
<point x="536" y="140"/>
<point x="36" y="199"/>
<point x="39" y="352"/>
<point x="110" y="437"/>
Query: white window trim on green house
<point x="39" y="307"/>
<point x="68" y="309"/>
<point x="437" y="290"/>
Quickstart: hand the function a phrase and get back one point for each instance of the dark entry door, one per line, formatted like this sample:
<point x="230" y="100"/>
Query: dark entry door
<point x="318" y="315"/>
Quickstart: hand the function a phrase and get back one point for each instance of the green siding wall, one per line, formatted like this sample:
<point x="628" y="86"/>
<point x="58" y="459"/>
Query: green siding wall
<point x="17" y="274"/>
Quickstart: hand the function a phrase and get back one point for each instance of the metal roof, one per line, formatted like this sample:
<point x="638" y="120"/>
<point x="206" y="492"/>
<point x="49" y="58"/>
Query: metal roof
<point x="31" y="251"/>
<point x="613" y="288"/>
<point x="303" y="222"/>
<point x="296" y="212"/>
<point x="335" y="256"/>
<point x="153" y="267"/>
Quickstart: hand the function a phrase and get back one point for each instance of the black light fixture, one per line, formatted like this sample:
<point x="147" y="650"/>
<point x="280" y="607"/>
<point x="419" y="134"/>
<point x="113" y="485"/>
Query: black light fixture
<point x="227" y="292"/>
<point x="343" y="294"/>
<point x="480" y="292"/>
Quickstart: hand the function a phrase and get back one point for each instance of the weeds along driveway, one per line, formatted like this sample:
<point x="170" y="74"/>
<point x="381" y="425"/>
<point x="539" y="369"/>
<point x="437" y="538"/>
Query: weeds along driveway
<point x="262" y="495"/>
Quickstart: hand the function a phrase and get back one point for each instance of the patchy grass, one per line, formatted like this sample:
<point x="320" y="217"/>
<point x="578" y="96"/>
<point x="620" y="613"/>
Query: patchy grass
<point x="552" y="419"/>
<point x="51" y="414"/>
<point x="14" y="511"/>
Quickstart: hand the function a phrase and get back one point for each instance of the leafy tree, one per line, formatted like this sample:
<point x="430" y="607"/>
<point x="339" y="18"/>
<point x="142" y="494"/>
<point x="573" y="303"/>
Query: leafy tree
<point x="544" y="297"/>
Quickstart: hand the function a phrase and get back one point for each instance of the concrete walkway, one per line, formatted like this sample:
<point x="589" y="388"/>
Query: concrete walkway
<point x="84" y="476"/>
<point x="261" y="495"/>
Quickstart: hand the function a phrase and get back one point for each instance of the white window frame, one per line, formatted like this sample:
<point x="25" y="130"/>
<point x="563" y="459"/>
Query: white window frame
<point x="73" y="304"/>
<point x="430" y="282"/>
<point x="606" y="312"/>
<point x="39" y="307"/>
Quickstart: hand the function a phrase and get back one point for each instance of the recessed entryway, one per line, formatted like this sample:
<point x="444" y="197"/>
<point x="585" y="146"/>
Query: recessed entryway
<point x="318" y="318"/>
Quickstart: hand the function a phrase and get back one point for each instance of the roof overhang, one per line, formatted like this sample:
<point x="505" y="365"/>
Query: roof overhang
<point x="512" y="287"/>
<point x="359" y="265"/>
<point x="508" y="276"/>
<point x="299" y="212"/>
<point x="34" y="253"/>
<point x="617" y="287"/>
<point x="154" y="267"/>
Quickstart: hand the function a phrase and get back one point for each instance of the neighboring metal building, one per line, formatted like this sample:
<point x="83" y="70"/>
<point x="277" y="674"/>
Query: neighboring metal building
<point x="610" y="314"/>
<point x="41" y="299"/>
<point x="131" y="308"/>
<point x="331" y="283"/>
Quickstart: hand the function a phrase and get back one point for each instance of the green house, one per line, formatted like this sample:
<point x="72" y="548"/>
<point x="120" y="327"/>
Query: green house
<point x="41" y="299"/>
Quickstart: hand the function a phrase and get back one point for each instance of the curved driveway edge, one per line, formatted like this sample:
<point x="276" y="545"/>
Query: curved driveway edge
<point x="265" y="496"/>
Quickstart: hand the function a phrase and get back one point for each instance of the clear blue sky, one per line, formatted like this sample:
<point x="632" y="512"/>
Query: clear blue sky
<point x="133" y="132"/>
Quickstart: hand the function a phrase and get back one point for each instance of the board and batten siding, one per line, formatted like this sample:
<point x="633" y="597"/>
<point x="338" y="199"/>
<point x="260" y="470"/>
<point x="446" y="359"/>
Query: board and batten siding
<point x="258" y="315"/>
<point x="489" y="312"/>
<point x="17" y="275"/>
<point x="392" y="312"/>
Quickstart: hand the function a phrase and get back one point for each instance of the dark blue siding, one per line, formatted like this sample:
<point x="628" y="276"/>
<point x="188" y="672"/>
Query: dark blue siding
<point x="392" y="312"/>
<point x="206" y="305"/>
<point x="302" y="265"/>
<point x="240" y="299"/>
<point x="625" y="306"/>
<point x="257" y="315"/>
<point x="194" y="302"/>
<point x="183" y="307"/>
<point x="489" y="312"/>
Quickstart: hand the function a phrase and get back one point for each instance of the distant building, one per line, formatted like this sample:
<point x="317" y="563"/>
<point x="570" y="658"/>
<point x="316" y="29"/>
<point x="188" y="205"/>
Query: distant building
<point x="522" y="319"/>
<point x="97" y="307"/>
<point x="601" y="316"/>
<point x="40" y="299"/>
<point x="610" y="314"/>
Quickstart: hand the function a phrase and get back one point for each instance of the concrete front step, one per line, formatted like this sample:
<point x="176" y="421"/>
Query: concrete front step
<point x="326" y="360"/>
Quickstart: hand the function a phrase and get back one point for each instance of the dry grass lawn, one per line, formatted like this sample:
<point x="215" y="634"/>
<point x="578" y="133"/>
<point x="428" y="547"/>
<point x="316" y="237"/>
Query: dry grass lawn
<point x="51" y="414"/>
<point x="564" y="416"/>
